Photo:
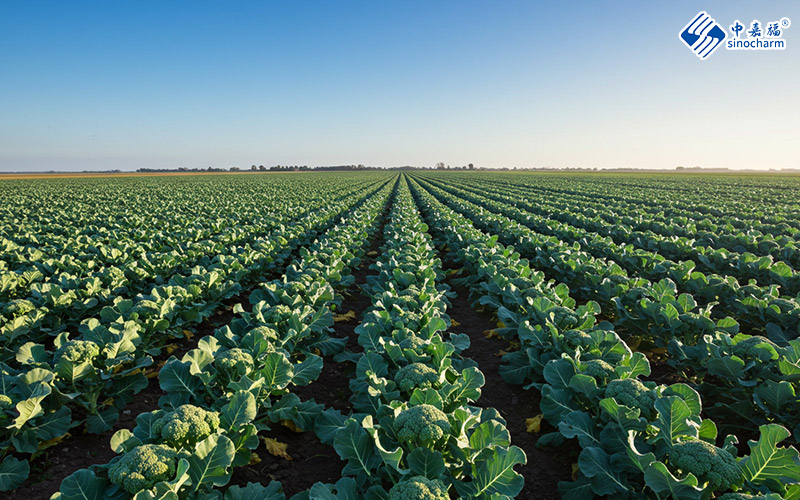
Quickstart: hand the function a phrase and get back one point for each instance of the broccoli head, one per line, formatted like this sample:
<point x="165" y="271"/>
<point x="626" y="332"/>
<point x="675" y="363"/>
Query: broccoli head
<point x="18" y="307"/>
<point x="77" y="352"/>
<point x="234" y="363"/>
<point x="413" y="342"/>
<point x="422" y="425"/>
<point x="143" y="467"/>
<point x="186" y="426"/>
<point x="578" y="338"/>
<point x="599" y="369"/>
<point x="419" y="488"/>
<point x="416" y="375"/>
<point x="709" y="464"/>
<point x="563" y="317"/>
<point x="278" y="314"/>
<point x="632" y="393"/>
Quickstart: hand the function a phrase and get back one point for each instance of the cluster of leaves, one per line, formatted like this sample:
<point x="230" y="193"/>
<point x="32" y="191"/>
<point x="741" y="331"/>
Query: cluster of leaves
<point x="634" y="436"/>
<point x="414" y="427"/>
<point x="237" y="382"/>
<point x="85" y="379"/>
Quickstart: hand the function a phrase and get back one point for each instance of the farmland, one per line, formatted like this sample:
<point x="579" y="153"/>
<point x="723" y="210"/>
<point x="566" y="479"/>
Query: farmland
<point x="390" y="336"/>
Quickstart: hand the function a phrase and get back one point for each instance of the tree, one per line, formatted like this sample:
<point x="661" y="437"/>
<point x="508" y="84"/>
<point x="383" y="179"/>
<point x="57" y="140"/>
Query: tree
<point x="471" y="166"/>
<point x="440" y="165"/>
<point x="262" y="168"/>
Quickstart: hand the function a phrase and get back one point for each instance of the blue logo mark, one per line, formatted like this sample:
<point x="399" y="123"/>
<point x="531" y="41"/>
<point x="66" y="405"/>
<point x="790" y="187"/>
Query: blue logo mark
<point x="702" y="35"/>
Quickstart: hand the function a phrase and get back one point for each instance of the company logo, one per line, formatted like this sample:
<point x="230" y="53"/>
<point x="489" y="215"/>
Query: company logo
<point x="702" y="35"/>
<point x="766" y="36"/>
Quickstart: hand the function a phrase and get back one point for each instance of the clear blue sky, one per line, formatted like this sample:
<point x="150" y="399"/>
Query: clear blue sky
<point x="102" y="85"/>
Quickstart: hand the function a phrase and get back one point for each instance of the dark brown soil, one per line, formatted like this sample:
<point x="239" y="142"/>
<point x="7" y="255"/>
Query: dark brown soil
<point x="545" y="468"/>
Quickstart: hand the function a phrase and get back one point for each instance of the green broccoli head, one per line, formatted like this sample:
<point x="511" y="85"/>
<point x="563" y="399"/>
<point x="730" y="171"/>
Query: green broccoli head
<point x="563" y="317"/>
<point x="18" y="307"/>
<point x="709" y="464"/>
<point x="413" y="342"/>
<point x="278" y="314"/>
<point x="416" y="375"/>
<point x="77" y="352"/>
<point x="419" y="488"/>
<point x="599" y="369"/>
<point x="421" y="425"/>
<point x="5" y="402"/>
<point x="186" y="426"/>
<point x="632" y="393"/>
<point x="578" y="338"/>
<point x="233" y="364"/>
<point x="143" y="467"/>
<point x="755" y="347"/>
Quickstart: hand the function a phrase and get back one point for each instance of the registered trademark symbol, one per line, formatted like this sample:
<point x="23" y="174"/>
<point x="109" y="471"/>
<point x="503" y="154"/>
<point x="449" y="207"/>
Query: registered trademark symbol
<point x="785" y="22"/>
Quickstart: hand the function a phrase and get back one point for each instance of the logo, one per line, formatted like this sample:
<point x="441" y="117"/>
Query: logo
<point x="766" y="36"/>
<point x="702" y="35"/>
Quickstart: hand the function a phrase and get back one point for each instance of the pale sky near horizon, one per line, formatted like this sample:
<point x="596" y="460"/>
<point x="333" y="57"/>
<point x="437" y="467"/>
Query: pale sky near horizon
<point x="122" y="85"/>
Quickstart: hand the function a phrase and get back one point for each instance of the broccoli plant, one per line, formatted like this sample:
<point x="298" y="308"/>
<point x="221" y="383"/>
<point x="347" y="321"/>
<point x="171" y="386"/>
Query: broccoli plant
<point x="710" y="465"/>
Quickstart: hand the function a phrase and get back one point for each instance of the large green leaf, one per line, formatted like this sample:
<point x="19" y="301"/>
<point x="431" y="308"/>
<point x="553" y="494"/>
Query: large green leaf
<point x="13" y="472"/>
<point x="596" y="465"/>
<point x="664" y="484"/>
<point x="426" y="462"/>
<point x="256" y="491"/>
<point x="355" y="445"/>
<point x="240" y="410"/>
<point x="209" y="464"/>
<point x="82" y="485"/>
<point x="674" y="419"/>
<point x="768" y="463"/>
<point x="493" y="473"/>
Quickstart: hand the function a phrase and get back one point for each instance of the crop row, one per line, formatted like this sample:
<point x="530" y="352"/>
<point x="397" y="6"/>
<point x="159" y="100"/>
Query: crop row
<point x="85" y="379"/>
<point x="636" y="436"/>
<point x="237" y="382"/>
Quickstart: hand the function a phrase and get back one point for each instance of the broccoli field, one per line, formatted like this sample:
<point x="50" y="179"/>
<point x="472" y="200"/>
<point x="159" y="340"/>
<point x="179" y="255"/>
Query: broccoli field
<point x="396" y="336"/>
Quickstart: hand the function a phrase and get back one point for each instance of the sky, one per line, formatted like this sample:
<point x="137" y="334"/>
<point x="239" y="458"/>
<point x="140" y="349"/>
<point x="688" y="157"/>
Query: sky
<point x="164" y="84"/>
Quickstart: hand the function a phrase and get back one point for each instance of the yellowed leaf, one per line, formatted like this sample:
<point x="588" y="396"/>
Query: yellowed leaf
<point x="500" y="353"/>
<point x="454" y="323"/>
<point x="291" y="426"/>
<point x="490" y="334"/>
<point x="52" y="442"/>
<point x="534" y="424"/>
<point x="500" y="324"/>
<point x="317" y="351"/>
<point x="348" y="316"/>
<point x="454" y="272"/>
<point x="513" y="345"/>
<point x="170" y="348"/>
<point x="575" y="470"/>
<point x="276" y="448"/>
<point x="188" y="334"/>
<point x="254" y="459"/>
<point x="372" y="253"/>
